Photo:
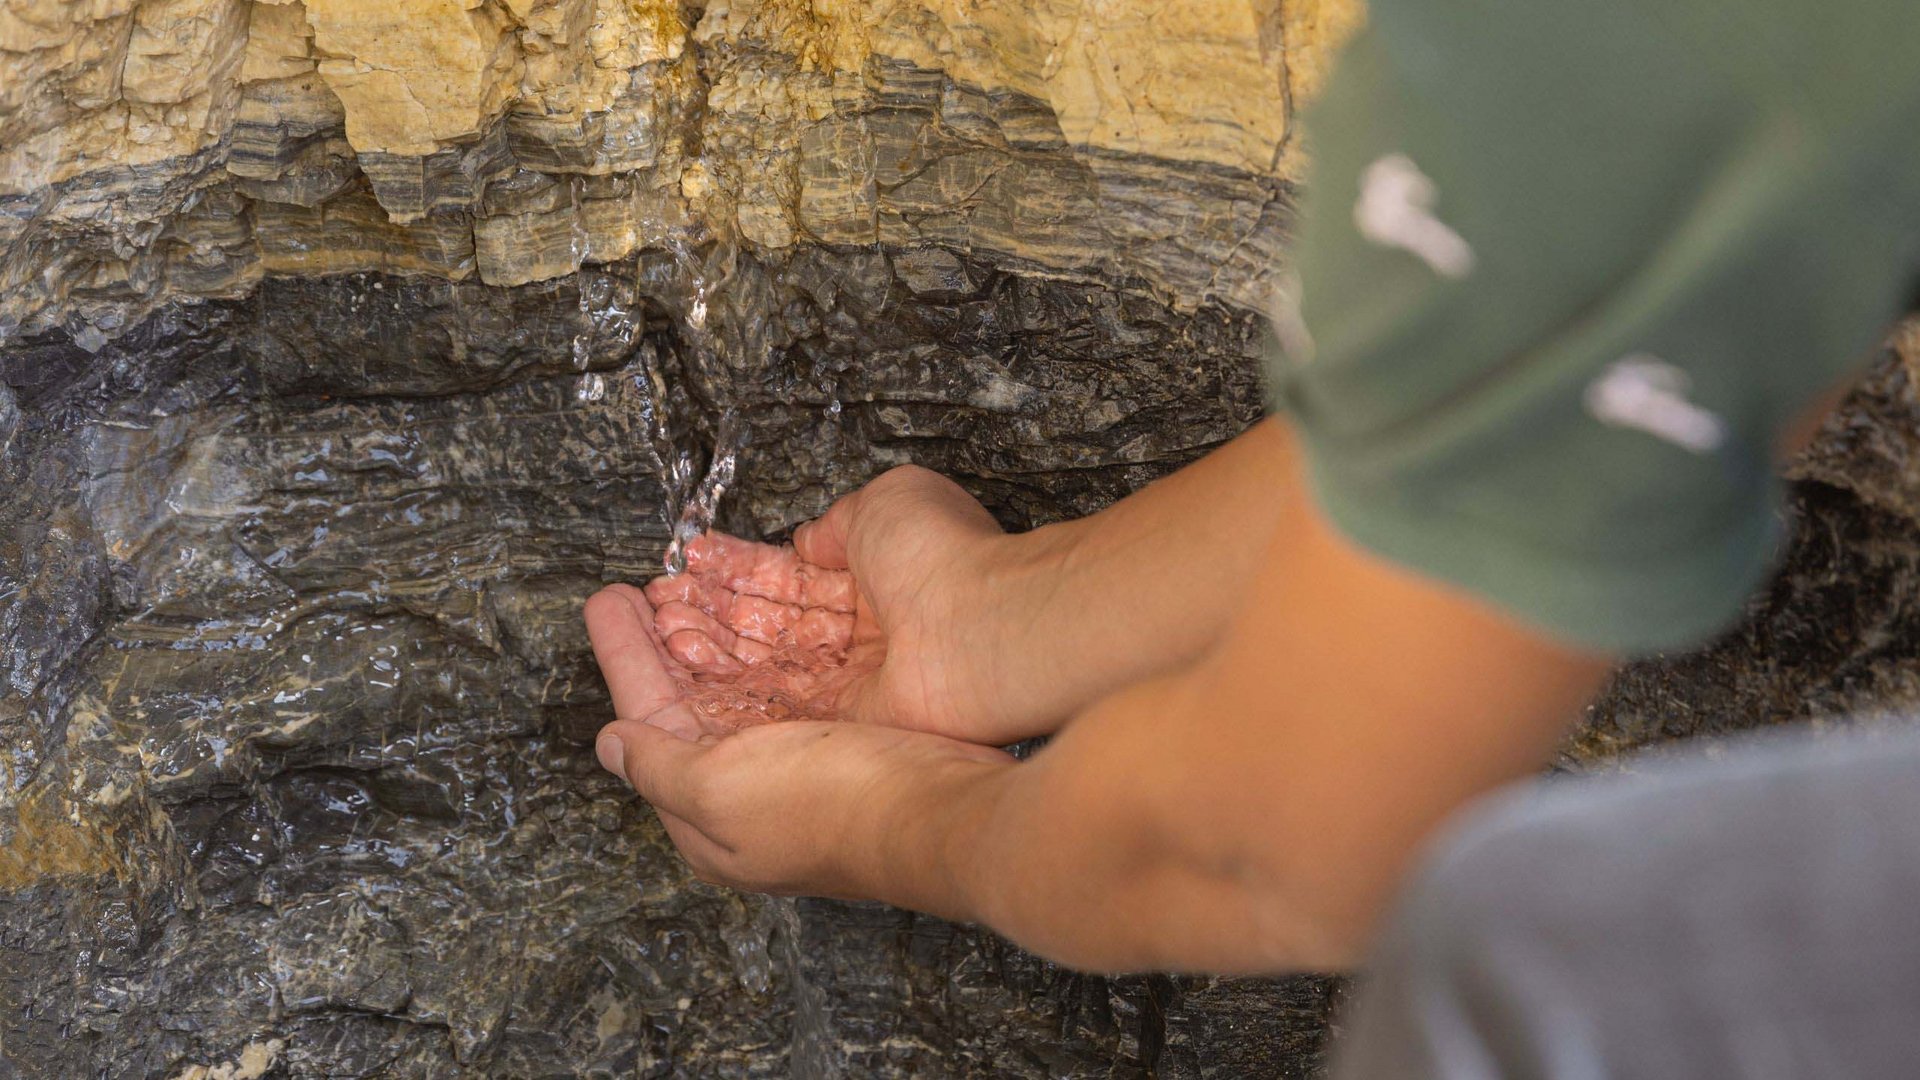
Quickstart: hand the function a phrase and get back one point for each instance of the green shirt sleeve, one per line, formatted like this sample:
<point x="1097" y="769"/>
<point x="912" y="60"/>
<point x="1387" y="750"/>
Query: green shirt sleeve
<point x="1563" y="276"/>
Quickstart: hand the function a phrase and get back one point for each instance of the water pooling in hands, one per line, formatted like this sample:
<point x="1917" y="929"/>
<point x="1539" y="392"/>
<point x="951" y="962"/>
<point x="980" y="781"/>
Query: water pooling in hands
<point x="753" y="634"/>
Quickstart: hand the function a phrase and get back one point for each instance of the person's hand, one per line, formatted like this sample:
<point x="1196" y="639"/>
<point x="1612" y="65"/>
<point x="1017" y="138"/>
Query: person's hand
<point x="888" y="610"/>
<point x="801" y="806"/>
<point x="752" y="634"/>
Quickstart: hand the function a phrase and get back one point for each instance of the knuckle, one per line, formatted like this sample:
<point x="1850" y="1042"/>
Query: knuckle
<point x="904" y="478"/>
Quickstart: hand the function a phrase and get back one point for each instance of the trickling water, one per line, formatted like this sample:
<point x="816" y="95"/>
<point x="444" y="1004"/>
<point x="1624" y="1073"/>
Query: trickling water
<point x="577" y="255"/>
<point x="9" y="417"/>
<point x="722" y="340"/>
<point x="695" y="514"/>
<point x="695" y="478"/>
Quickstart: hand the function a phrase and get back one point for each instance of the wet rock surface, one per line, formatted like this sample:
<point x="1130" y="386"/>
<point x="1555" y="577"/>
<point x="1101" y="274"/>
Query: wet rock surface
<point x="297" y="700"/>
<point x="343" y="354"/>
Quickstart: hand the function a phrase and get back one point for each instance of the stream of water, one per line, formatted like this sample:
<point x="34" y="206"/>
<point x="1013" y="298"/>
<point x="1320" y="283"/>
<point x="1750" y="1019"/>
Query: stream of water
<point x="695" y="488"/>
<point x="724" y="341"/>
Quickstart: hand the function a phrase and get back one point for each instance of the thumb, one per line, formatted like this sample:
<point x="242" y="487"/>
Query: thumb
<point x="620" y="625"/>
<point x="659" y="764"/>
<point x="823" y="541"/>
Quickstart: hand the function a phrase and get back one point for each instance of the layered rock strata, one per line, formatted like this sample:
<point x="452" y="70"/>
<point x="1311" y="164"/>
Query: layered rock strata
<point x="346" y="347"/>
<point x="298" y="701"/>
<point x="194" y="147"/>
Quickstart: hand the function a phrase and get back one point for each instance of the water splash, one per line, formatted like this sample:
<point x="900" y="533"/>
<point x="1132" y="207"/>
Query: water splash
<point x="696" y="511"/>
<point x="696" y="479"/>
<point x="577" y="255"/>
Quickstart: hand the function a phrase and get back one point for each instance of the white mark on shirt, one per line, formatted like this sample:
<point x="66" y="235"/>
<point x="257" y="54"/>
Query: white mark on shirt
<point x="1396" y="210"/>
<point x="1648" y="394"/>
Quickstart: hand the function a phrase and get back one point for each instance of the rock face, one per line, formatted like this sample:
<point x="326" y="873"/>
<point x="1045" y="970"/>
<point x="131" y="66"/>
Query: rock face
<point x="163" y="148"/>
<point x="345" y="347"/>
<point x="298" y="701"/>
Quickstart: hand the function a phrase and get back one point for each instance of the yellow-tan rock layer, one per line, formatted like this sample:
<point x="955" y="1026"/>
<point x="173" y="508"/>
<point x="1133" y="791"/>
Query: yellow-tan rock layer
<point x="151" y="148"/>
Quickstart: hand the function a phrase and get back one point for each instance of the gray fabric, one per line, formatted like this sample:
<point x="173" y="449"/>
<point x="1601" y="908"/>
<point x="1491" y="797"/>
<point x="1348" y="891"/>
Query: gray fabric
<point x="1754" y="914"/>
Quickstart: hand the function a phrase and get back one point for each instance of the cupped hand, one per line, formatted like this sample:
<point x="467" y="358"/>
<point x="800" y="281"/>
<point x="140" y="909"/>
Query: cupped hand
<point x="800" y="806"/>
<point x="887" y="610"/>
<point x="752" y="634"/>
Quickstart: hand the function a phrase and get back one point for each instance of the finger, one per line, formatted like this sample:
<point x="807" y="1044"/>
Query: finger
<point x="702" y="653"/>
<point x="620" y="624"/>
<point x="821" y="629"/>
<point x="834" y="590"/>
<point x="751" y="652"/>
<point x="669" y="588"/>
<point x="679" y="719"/>
<point x="761" y="619"/>
<point x="691" y="591"/>
<point x="729" y="564"/>
<point x="729" y="561"/>
<point x="658" y="763"/>
<point x="672" y="617"/>
<point x="722" y="565"/>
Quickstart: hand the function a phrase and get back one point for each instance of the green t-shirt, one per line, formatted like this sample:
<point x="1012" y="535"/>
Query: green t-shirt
<point x="1566" y="271"/>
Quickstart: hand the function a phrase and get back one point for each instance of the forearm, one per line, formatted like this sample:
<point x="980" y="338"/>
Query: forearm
<point x="1144" y="587"/>
<point x="1251" y="812"/>
<point x="1256" y="811"/>
<point x="1088" y="854"/>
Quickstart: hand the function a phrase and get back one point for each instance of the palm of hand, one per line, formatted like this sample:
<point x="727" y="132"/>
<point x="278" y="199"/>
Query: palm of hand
<point x="774" y="807"/>
<point x="752" y="635"/>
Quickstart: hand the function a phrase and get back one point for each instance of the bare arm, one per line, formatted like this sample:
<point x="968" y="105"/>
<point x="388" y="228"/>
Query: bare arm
<point x="1250" y="813"/>
<point x="1254" y="812"/>
<point x="994" y="637"/>
<point x="1148" y="585"/>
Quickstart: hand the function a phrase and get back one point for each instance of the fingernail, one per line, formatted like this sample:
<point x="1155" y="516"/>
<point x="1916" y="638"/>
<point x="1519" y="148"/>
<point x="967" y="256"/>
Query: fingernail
<point x="612" y="754"/>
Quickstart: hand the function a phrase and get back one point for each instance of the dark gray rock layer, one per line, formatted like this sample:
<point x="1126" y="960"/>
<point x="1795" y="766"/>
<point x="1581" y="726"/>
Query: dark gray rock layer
<point x="295" y="700"/>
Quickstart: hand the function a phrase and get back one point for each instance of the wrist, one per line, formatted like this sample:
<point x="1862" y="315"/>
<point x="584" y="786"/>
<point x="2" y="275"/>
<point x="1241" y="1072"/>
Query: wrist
<point x="926" y="844"/>
<point x="1028" y="584"/>
<point x="1014" y="565"/>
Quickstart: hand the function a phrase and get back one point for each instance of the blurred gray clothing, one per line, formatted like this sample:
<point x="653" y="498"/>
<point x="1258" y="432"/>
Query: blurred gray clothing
<point x="1749" y="912"/>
